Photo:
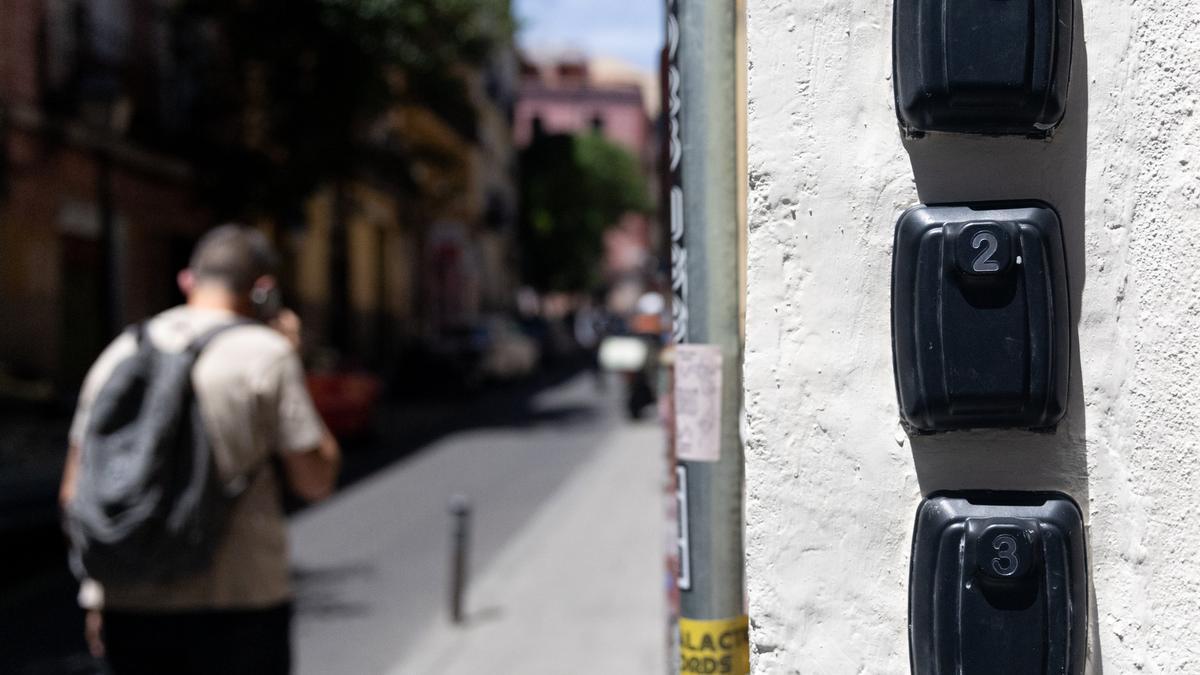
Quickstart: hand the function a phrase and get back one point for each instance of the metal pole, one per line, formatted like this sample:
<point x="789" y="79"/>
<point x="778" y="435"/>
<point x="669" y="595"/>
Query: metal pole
<point x="707" y="255"/>
<point x="460" y="509"/>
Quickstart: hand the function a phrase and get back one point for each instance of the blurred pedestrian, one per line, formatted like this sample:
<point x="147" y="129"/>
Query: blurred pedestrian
<point x="228" y="610"/>
<point x="590" y="327"/>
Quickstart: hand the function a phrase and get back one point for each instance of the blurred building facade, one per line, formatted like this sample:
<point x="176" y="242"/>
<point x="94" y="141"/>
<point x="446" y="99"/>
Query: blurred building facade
<point x="99" y="210"/>
<point x="561" y="96"/>
<point x="413" y="268"/>
<point x="568" y="94"/>
<point x="93" y="224"/>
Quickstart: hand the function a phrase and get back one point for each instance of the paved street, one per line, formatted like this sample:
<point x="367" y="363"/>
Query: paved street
<point x="580" y="589"/>
<point x="566" y="539"/>
<point x="566" y="543"/>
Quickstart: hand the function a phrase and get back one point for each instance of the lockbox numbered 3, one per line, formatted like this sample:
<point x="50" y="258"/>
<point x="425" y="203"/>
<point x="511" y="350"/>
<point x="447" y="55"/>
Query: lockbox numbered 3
<point x="998" y="585"/>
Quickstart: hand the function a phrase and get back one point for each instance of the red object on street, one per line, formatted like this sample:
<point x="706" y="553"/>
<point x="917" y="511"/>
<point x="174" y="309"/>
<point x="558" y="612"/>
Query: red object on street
<point x="346" y="400"/>
<point x="646" y="324"/>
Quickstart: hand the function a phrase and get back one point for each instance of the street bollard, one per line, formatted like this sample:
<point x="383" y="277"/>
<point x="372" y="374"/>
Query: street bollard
<point x="460" y="509"/>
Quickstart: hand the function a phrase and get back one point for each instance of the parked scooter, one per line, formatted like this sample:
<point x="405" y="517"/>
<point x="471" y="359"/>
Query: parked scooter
<point x="636" y="354"/>
<point x="634" y="357"/>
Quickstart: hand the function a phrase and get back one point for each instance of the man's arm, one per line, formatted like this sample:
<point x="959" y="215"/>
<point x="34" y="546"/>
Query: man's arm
<point x="66" y="488"/>
<point x="312" y="474"/>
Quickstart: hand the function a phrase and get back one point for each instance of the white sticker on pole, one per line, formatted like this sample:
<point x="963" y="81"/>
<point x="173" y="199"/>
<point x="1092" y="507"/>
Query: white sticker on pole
<point x="698" y="403"/>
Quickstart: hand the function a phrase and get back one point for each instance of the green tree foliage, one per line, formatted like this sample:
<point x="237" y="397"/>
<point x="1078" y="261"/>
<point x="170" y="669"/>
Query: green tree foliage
<point x="573" y="188"/>
<point x="289" y="91"/>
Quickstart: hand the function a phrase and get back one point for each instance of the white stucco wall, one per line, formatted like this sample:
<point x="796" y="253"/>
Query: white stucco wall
<point x="832" y="481"/>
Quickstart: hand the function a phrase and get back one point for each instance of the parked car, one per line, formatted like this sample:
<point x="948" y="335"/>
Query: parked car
<point x="553" y="338"/>
<point x="510" y="353"/>
<point x="346" y="400"/>
<point x="491" y="349"/>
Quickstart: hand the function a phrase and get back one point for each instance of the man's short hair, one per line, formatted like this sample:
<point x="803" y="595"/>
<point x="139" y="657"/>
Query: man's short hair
<point x="234" y="256"/>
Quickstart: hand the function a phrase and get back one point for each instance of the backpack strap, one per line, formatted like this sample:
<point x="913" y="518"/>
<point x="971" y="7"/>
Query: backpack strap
<point x="236" y="485"/>
<point x="201" y="341"/>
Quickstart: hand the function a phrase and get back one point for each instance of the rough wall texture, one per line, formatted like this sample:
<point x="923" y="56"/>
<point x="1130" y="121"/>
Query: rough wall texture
<point x="833" y="482"/>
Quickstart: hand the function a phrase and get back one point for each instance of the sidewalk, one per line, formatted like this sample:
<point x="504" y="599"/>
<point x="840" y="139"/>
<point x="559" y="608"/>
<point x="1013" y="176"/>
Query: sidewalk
<point x="580" y="589"/>
<point x="33" y="446"/>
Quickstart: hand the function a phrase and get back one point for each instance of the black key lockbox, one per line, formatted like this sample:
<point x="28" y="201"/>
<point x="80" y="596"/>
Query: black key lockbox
<point x="982" y="66"/>
<point x="998" y="585"/>
<point x="980" y="317"/>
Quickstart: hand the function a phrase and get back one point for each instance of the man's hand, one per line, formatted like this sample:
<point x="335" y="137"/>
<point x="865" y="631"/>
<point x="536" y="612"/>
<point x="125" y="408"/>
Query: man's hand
<point x="312" y="475"/>
<point x="288" y="323"/>
<point x="66" y="489"/>
<point x="93" y="632"/>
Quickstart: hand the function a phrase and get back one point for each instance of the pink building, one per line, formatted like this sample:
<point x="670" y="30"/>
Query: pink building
<point x="562" y="98"/>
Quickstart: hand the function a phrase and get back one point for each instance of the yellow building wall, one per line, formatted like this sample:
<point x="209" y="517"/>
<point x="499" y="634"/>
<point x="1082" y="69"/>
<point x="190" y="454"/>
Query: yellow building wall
<point x="311" y="251"/>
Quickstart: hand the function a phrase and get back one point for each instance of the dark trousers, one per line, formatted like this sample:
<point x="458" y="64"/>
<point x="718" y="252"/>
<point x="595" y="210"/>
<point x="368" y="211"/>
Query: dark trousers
<point x="212" y="642"/>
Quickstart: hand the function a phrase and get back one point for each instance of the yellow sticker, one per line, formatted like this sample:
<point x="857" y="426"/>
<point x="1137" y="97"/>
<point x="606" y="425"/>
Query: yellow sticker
<point x="721" y="646"/>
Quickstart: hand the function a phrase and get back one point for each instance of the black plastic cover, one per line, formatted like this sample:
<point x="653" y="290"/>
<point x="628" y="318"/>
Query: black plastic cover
<point x="998" y="585"/>
<point x="982" y="66"/>
<point x="980" y="317"/>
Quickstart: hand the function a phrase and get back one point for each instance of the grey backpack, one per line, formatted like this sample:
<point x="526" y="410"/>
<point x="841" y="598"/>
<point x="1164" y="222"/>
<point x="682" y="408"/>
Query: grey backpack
<point x="148" y="503"/>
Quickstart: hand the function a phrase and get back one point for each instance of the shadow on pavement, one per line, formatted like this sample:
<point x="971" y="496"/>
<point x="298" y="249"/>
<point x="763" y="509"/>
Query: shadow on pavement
<point x="41" y="626"/>
<point x="403" y="427"/>
<point x="316" y="589"/>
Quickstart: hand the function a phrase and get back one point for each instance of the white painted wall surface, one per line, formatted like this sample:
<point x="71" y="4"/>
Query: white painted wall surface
<point x="832" y="481"/>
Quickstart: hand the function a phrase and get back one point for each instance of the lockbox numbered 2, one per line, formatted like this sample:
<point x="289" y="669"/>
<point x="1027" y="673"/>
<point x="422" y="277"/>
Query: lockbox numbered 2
<point x="980" y="317"/>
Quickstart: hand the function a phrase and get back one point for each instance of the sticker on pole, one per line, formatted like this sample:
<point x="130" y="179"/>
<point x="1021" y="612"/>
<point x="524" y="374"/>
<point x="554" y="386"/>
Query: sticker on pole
<point x="698" y="403"/>
<point x="721" y="646"/>
<point x="684" y="578"/>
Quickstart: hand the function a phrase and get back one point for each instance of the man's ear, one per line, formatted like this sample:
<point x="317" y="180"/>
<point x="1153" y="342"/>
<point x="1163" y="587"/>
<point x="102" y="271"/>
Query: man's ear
<point x="186" y="281"/>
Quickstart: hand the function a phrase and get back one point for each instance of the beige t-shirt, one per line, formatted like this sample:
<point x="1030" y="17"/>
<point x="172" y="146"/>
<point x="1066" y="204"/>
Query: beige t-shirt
<point x="249" y="384"/>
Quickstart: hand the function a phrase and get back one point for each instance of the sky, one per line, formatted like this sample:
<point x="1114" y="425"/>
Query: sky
<point x="631" y="30"/>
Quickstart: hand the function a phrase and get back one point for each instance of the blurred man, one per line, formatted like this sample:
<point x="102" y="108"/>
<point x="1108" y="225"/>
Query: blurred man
<point x="234" y="615"/>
